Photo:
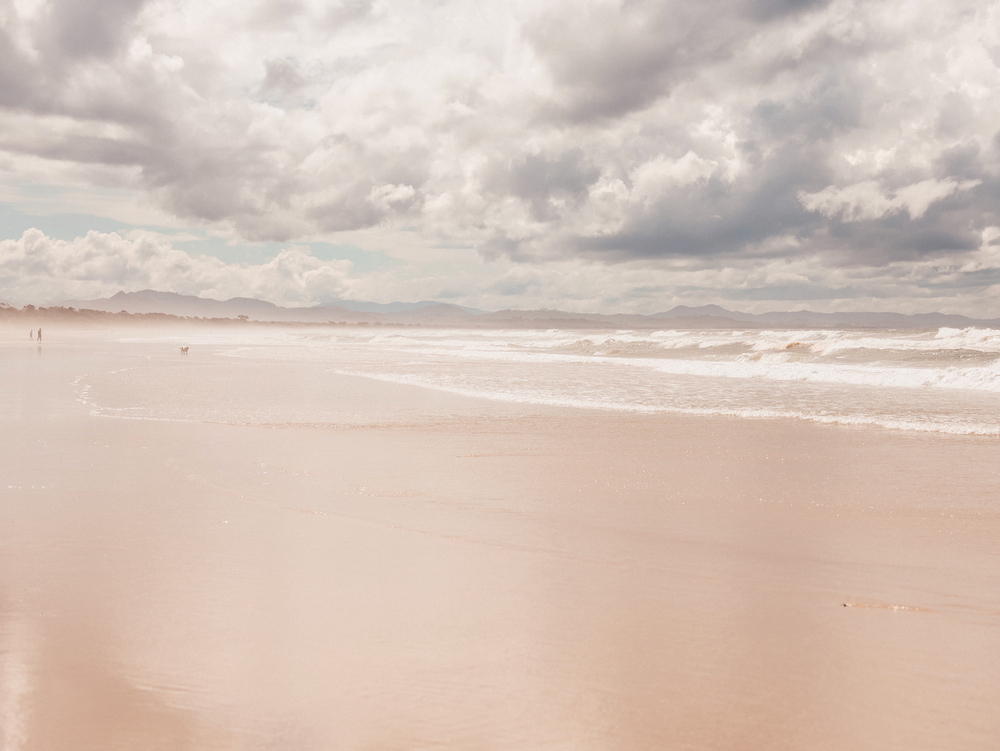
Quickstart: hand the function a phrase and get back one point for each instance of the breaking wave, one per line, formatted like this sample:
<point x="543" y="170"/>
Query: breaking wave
<point x="944" y="380"/>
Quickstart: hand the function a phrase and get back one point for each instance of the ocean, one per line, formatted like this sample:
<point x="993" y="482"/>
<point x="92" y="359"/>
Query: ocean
<point x="944" y="380"/>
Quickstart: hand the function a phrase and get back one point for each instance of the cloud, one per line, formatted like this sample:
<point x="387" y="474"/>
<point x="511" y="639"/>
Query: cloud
<point x="593" y="132"/>
<point x="389" y="197"/>
<point x="866" y="200"/>
<point x="281" y="77"/>
<point x="78" y="29"/>
<point x="41" y="269"/>
<point x="660" y="175"/>
<point x="541" y="181"/>
<point x="608" y="59"/>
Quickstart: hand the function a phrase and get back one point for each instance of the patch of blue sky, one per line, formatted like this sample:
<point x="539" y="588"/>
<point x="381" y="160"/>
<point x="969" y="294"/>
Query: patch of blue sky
<point x="14" y="223"/>
<point x="256" y="253"/>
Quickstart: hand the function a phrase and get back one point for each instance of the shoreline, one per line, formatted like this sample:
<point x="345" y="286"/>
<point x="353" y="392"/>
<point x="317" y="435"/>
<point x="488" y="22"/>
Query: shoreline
<point x="492" y="574"/>
<point x="165" y="350"/>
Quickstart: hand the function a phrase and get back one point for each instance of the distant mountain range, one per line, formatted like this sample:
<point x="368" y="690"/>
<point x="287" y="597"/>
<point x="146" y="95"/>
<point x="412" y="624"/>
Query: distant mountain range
<point x="171" y="303"/>
<point x="429" y="313"/>
<point x="389" y="307"/>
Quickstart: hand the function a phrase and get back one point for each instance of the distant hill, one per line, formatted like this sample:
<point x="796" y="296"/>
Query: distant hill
<point x="429" y="313"/>
<point x="390" y="307"/>
<point x="151" y="301"/>
<point x="809" y="319"/>
<point x="715" y="317"/>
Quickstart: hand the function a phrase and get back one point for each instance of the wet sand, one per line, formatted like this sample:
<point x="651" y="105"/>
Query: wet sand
<point x="484" y="577"/>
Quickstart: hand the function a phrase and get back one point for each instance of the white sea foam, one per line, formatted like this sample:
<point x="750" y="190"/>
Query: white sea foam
<point x="563" y="400"/>
<point x="946" y="380"/>
<point x="792" y="357"/>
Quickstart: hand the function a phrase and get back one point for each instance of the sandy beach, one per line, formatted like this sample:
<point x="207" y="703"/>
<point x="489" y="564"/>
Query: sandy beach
<point x="424" y="570"/>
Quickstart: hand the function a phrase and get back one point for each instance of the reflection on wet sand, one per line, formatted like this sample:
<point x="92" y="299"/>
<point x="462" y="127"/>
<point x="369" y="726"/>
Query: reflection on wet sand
<point x="482" y="576"/>
<point x="63" y="690"/>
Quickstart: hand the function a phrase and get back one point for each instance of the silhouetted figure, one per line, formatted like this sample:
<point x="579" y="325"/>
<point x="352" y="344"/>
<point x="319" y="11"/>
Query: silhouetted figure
<point x="39" y="335"/>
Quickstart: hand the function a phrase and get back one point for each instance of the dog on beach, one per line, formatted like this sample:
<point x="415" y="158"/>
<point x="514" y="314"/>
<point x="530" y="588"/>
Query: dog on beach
<point x="184" y="350"/>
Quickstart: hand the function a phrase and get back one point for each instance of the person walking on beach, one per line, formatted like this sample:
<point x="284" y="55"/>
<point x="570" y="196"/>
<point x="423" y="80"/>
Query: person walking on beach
<point x="39" y="335"/>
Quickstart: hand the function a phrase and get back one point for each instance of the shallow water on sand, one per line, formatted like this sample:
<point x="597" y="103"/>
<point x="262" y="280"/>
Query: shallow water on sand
<point x="278" y="556"/>
<point x="944" y="381"/>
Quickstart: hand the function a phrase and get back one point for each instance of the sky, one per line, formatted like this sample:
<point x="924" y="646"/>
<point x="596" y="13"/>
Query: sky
<point x="592" y="156"/>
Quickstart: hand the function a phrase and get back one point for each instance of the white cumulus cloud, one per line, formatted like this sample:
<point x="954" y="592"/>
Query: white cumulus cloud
<point x="867" y="200"/>
<point x="38" y="268"/>
<point x="430" y="130"/>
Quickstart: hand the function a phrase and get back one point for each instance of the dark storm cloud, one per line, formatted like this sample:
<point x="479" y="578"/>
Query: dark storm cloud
<point x="539" y="179"/>
<point x="767" y="10"/>
<point x="275" y="13"/>
<point x="607" y="61"/>
<point x="794" y="140"/>
<point x="717" y="220"/>
<point x="208" y="159"/>
<point x="829" y="107"/>
<point x="16" y="74"/>
<point x="346" y="12"/>
<point x="785" y="151"/>
<point x="723" y="132"/>
<point x="952" y="225"/>
<point x="281" y="77"/>
<point x="89" y="28"/>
